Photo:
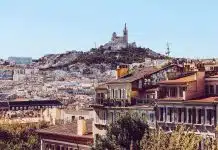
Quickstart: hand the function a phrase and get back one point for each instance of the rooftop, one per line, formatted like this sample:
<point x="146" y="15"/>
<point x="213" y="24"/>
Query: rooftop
<point x="182" y="80"/>
<point x="204" y="100"/>
<point x="138" y="74"/>
<point x="194" y="101"/>
<point x="69" y="130"/>
<point x="35" y="103"/>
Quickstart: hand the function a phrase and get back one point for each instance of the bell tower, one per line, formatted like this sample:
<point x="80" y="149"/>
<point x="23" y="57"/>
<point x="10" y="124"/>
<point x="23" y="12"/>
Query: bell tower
<point x="125" y="34"/>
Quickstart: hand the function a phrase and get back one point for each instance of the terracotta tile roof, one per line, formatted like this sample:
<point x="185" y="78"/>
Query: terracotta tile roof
<point x="203" y="100"/>
<point x="182" y="80"/>
<point x="139" y="73"/>
<point x="67" y="130"/>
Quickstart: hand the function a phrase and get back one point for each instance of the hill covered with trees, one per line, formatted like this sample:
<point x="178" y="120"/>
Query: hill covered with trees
<point x="98" y="56"/>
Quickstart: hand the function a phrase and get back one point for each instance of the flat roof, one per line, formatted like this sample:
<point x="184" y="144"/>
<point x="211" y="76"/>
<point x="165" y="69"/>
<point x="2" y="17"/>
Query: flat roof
<point x="35" y="103"/>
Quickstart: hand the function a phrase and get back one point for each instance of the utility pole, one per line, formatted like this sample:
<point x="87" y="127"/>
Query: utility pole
<point x="168" y="49"/>
<point x="168" y="52"/>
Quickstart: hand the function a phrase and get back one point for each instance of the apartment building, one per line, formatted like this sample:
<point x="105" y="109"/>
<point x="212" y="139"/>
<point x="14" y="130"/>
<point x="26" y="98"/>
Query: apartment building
<point x="31" y="111"/>
<point x="184" y="101"/>
<point x="129" y="93"/>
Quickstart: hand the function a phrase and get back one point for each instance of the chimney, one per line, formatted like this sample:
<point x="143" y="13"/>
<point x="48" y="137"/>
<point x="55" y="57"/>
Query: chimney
<point x="122" y="71"/>
<point x="81" y="127"/>
<point x="195" y="77"/>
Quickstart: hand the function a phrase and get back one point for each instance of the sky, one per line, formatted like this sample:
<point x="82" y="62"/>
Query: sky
<point x="33" y="28"/>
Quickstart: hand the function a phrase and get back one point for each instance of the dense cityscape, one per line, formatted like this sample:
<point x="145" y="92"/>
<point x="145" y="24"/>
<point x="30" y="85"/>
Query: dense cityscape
<point x="112" y="75"/>
<point x="78" y="102"/>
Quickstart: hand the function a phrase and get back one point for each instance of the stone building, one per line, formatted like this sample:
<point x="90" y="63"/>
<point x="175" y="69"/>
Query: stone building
<point x="119" y="42"/>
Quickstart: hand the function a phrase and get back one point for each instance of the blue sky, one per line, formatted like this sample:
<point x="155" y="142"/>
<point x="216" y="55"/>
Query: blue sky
<point x="35" y="28"/>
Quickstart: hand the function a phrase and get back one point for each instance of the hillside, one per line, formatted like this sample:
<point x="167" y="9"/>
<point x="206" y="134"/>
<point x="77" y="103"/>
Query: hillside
<point x="97" y="56"/>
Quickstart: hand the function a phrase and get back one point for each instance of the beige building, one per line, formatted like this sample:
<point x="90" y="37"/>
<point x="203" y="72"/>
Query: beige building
<point x="129" y="93"/>
<point x="31" y="111"/>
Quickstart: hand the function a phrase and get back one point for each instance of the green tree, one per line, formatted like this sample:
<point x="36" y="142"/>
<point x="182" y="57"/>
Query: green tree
<point x="125" y="133"/>
<point x="20" y="136"/>
<point x="180" y="139"/>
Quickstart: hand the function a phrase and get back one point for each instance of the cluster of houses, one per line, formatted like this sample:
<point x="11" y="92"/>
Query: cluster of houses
<point x="166" y="97"/>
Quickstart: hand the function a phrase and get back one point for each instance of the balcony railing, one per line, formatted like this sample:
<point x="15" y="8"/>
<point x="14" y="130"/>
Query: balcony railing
<point x="101" y="122"/>
<point x="123" y="102"/>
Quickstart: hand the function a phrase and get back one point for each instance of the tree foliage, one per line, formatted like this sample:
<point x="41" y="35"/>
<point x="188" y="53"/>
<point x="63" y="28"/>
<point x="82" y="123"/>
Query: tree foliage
<point x="126" y="55"/>
<point x="125" y="133"/>
<point x="180" y="139"/>
<point x="130" y="132"/>
<point x="20" y="136"/>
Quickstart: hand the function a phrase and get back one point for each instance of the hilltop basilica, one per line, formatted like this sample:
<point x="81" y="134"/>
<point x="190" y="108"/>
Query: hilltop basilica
<point x="119" y="42"/>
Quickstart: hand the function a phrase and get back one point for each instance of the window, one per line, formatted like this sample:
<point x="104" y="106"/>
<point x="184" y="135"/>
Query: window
<point x="210" y="117"/>
<point x="180" y="92"/>
<point x="161" y="114"/>
<point x="211" y="89"/>
<point x="52" y="147"/>
<point x="116" y="94"/>
<point x="72" y="118"/>
<point x="112" y="93"/>
<point x="111" y="117"/>
<point x="170" y="114"/>
<point x="124" y="94"/>
<point x="47" y="146"/>
<point x="179" y="114"/>
<point x="206" y="89"/>
<point x="189" y="115"/>
<point x="120" y="93"/>
<point x="185" y="114"/>
<point x="173" y="91"/>
<point x="58" y="147"/>
<point x="199" y="112"/>
<point x="217" y="89"/>
<point x="81" y="117"/>
<point x="194" y="117"/>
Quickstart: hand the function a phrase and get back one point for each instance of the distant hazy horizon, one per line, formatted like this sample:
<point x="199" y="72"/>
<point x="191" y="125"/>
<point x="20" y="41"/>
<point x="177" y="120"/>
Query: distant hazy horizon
<point x="36" y="28"/>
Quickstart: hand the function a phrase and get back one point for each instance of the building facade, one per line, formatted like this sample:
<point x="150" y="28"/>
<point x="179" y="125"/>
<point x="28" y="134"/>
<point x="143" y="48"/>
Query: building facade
<point x="129" y="93"/>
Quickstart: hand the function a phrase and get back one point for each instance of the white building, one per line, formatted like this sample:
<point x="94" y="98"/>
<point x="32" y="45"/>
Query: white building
<point x="119" y="42"/>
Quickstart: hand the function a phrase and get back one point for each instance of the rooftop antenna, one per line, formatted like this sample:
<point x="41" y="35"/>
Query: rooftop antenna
<point x="168" y="49"/>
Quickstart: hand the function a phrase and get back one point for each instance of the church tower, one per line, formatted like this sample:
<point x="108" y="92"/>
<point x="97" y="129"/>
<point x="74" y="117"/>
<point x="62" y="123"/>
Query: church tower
<point x="125" y="34"/>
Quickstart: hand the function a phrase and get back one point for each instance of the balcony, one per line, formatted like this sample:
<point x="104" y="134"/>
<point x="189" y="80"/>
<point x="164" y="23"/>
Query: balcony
<point x="101" y="122"/>
<point x="121" y="102"/>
